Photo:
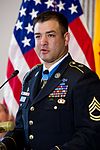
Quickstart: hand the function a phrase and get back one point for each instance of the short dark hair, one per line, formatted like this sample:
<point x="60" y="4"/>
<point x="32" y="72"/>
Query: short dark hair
<point x="49" y="15"/>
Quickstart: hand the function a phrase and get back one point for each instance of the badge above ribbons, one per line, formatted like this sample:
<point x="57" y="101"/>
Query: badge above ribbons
<point x="94" y="110"/>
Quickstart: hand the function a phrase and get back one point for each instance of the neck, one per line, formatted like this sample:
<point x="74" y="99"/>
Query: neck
<point x="48" y="65"/>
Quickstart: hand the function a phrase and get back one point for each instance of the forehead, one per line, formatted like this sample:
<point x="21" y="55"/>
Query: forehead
<point x="47" y="25"/>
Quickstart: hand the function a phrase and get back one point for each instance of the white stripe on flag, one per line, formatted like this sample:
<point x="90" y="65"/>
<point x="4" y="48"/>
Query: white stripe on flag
<point x="76" y="51"/>
<point x="15" y="51"/>
<point x="10" y="100"/>
<point x="84" y="24"/>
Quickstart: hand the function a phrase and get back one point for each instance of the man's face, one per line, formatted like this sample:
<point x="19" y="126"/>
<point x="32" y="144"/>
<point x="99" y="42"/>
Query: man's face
<point x="50" y="44"/>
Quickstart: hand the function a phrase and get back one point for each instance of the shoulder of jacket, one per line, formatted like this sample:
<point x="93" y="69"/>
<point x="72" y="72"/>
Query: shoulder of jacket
<point x="78" y="66"/>
<point x="35" y="67"/>
<point x="29" y="73"/>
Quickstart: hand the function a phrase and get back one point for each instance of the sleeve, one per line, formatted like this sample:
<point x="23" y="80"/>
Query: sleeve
<point x="86" y="110"/>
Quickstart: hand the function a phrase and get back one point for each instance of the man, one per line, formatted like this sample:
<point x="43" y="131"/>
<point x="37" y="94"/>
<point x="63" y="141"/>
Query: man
<point x="63" y="113"/>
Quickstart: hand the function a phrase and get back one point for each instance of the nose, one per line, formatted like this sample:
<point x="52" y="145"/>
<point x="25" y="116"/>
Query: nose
<point x="44" y="40"/>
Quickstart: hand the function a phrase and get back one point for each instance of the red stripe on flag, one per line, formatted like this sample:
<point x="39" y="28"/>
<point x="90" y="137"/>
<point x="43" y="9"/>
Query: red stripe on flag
<point x="31" y="58"/>
<point x="14" y="82"/>
<point x="10" y="68"/>
<point x="83" y="40"/>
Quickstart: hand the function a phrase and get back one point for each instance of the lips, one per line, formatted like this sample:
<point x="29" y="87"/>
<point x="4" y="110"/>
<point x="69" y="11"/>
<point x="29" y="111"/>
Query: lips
<point x="44" y="51"/>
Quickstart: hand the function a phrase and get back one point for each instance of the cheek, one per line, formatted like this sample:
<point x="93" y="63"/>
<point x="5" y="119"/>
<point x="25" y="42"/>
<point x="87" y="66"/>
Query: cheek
<point x="36" y="44"/>
<point x="59" y="45"/>
<point x="37" y="47"/>
<point x="53" y="43"/>
<point x="60" y="42"/>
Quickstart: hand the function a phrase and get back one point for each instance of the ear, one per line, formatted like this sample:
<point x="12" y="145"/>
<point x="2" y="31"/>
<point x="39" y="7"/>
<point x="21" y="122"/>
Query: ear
<point x="67" y="38"/>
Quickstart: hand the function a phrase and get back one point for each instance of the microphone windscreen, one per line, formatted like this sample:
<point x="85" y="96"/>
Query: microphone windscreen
<point x="6" y="126"/>
<point x="14" y="73"/>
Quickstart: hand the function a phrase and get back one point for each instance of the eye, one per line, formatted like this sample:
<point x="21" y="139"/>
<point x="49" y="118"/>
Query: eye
<point x="37" y="36"/>
<point x="51" y="35"/>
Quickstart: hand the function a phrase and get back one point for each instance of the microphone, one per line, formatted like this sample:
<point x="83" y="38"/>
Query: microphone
<point x="6" y="126"/>
<point x="12" y="76"/>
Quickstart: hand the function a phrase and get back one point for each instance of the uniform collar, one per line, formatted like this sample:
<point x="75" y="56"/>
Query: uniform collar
<point x="54" y="65"/>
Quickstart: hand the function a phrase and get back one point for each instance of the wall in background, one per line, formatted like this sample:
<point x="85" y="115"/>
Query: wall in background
<point x="8" y="14"/>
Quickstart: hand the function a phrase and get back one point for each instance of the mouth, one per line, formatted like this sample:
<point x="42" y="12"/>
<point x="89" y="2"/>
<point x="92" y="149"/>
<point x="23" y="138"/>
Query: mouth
<point x="44" y="51"/>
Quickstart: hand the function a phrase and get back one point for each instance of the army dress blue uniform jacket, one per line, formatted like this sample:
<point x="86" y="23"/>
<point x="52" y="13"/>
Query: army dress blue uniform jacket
<point x="64" y="115"/>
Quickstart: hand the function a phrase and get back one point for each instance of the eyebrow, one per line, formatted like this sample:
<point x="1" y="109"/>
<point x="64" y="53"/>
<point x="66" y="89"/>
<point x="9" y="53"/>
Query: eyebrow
<point x="52" y="31"/>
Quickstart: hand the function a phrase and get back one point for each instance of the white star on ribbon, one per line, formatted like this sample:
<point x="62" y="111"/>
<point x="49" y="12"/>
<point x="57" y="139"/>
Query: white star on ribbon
<point x="26" y="1"/>
<point x="61" y="6"/>
<point x="49" y="3"/>
<point x="37" y="2"/>
<point x="22" y="12"/>
<point x="18" y="25"/>
<point x="34" y="13"/>
<point x="26" y="41"/>
<point x="29" y="28"/>
<point x="73" y="9"/>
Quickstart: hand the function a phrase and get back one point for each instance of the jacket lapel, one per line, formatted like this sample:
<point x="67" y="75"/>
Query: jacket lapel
<point x="54" y="81"/>
<point x="35" y="84"/>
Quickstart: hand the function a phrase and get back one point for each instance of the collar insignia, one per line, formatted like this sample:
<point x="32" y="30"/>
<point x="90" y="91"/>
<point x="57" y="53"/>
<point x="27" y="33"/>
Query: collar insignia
<point x="57" y="75"/>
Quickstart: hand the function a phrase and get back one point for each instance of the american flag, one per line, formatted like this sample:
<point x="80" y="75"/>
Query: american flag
<point x="22" y="55"/>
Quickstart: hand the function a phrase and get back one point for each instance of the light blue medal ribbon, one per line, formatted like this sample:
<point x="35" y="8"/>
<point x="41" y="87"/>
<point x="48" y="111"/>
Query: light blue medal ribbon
<point x="45" y="76"/>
